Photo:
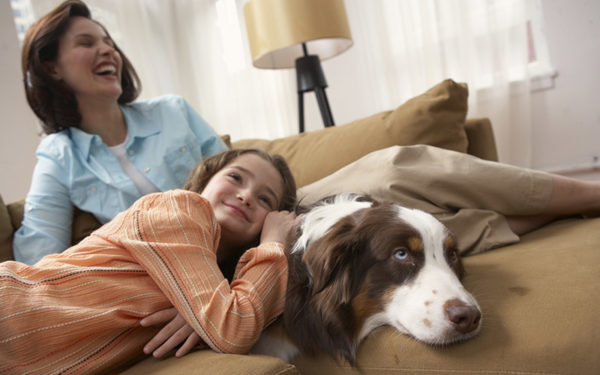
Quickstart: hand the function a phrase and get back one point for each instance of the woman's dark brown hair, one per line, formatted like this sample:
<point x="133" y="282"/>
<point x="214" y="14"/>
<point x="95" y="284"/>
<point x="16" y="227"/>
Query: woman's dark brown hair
<point x="51" y="100"/>
<point x="200" y="176"/>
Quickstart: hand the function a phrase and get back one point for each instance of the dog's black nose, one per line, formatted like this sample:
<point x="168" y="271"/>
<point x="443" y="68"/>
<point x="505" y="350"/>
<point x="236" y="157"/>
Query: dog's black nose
<point x="464" y="317"/>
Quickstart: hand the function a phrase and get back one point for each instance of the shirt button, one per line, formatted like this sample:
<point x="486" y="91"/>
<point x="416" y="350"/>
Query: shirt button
<point x="183" y="149"/>
<point x="147" y="169"/>
<point x="93" y="189"/>
<point x="130" y="152"/>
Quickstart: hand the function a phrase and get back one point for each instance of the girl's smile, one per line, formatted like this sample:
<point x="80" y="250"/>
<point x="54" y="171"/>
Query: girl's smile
<point x="238" y="211"/>
<point x="242" y="194"/>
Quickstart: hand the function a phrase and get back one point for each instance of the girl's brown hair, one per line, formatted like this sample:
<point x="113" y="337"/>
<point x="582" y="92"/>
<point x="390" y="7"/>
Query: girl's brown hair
<point x="200" y="176"/>
<point x="53" y="101"/>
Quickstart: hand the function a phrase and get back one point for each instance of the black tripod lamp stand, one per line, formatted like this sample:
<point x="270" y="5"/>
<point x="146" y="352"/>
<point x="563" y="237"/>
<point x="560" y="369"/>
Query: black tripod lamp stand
<point x="310" y="77"/>
<point x="281" y="34"/>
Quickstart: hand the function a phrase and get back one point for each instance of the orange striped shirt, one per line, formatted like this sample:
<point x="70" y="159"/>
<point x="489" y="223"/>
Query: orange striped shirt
<point x="79" y="311"/>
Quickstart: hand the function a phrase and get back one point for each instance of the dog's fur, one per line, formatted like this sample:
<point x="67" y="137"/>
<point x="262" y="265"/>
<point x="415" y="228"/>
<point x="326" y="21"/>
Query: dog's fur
<point x="356" y="264"/>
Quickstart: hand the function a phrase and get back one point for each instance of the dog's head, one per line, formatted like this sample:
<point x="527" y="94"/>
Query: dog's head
<point x="357" y="264"/>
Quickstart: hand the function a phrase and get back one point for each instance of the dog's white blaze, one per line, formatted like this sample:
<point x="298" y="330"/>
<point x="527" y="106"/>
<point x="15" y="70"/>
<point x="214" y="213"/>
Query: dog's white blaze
<point x="321" y="218"/>
<point x="432" y="232"/>
<point x="417" y="309"/>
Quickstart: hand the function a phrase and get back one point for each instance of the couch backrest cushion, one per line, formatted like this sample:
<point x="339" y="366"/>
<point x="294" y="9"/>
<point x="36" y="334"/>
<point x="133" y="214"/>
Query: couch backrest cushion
<point x="435" y="117"/>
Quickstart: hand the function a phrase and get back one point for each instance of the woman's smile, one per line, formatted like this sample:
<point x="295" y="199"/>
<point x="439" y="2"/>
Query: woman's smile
<point x="106" y="69"/>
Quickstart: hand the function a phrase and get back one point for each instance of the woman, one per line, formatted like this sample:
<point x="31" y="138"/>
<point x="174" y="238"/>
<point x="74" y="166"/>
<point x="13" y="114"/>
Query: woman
<point x="102" y="151"/>
<point x="79" y="311"/>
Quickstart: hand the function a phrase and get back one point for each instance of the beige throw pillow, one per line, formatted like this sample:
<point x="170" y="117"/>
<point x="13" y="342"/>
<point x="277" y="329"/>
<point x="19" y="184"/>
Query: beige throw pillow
<point x="435" y="117"/>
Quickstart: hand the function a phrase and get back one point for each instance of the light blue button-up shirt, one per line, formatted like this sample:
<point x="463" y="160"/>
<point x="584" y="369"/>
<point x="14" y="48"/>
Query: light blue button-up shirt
<point x="166" y="139"/>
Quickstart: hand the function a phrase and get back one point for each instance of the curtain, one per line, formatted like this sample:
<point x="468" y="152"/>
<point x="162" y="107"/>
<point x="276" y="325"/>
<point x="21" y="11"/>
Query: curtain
<point x="199" y="49"/>
<point x="406" y="46"/>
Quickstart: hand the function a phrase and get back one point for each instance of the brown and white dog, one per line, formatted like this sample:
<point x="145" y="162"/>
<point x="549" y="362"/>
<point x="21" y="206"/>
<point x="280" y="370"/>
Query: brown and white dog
<point x="355" y="265"/>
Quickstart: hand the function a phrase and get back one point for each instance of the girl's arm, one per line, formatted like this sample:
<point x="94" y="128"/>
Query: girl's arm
<point x="174" y="236"/>
<point x="176" y="331"/>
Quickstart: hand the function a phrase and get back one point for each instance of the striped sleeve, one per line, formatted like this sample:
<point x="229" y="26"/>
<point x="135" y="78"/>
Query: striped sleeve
<point x="175" y="239"/>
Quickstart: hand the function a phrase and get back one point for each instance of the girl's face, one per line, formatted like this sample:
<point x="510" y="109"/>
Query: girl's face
<point x="87" y="61"/>
<point x="241" y="195"/>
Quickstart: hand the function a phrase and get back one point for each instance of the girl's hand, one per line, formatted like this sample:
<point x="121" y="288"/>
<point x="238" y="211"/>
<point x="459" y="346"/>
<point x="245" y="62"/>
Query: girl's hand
<point x="174" y="333"/>
<point x="277" y="225"/>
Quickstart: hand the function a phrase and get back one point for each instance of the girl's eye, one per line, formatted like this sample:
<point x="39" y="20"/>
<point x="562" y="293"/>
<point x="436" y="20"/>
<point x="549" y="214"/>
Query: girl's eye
<point x="235" y="177"/>
<point x="266" y="201"/>
<point x="401" y="255"/>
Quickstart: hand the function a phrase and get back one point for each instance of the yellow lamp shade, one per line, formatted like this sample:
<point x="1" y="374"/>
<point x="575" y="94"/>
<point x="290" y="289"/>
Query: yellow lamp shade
<point x="277" y="28"/>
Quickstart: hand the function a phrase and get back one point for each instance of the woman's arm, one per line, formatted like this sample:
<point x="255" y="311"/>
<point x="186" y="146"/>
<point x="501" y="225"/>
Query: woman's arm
<point x="48" y="215"/>
<point x="175" y="238"/>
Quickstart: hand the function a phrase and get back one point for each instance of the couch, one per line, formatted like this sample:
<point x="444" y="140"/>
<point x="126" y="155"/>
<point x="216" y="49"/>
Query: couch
<point x="540" y="297"/>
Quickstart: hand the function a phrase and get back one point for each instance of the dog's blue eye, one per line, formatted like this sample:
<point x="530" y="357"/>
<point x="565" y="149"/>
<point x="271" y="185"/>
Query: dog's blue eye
<point x="401" y="255"/>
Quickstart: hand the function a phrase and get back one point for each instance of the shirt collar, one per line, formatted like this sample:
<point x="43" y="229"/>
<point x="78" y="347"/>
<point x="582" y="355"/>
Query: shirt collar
<point x="82" y="140"/>
<point x="139" y="125"/>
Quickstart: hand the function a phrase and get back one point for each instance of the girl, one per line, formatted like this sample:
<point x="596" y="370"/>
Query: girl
<point x="79" y="311"/>
<point x="101" y="151"/>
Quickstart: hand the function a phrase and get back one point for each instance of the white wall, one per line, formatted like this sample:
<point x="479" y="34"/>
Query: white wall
<point x="566" y="118"/>
<point x="18" y="127"/>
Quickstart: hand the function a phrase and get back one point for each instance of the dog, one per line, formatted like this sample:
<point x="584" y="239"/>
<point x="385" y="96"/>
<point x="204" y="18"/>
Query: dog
<point x="356" y="264"/>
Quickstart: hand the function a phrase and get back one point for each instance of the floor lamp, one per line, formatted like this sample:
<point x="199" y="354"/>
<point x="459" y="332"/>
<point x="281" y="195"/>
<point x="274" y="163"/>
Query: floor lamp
<point x="298" y="33"/>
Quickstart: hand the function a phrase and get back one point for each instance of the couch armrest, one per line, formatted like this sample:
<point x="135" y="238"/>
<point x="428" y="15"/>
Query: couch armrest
<point x="480" y="136"/>
<point x="6" y="233"/>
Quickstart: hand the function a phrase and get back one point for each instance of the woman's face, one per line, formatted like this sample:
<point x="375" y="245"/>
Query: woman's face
<point x="242" y="194"/>
<point x="87" y="61"/>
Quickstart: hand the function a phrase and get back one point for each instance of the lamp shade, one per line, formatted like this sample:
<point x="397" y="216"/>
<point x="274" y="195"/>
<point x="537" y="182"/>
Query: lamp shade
<point x="278" y="28"/>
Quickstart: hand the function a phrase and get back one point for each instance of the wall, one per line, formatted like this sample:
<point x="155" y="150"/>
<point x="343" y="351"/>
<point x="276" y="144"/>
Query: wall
<point x="18" y="128"/>
<point x="566" y="118"/>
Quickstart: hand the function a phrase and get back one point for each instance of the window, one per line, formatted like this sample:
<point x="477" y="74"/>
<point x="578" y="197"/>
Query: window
<point x="23" y="16"/>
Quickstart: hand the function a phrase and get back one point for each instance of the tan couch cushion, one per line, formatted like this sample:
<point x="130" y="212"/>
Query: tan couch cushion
<point x="436" y="118"/>
<point x="209" y="362"/>
<point x="482" y="142"/>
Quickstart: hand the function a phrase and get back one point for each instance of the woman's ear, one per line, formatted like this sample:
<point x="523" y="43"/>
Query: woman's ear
<point x="50" y="67"/>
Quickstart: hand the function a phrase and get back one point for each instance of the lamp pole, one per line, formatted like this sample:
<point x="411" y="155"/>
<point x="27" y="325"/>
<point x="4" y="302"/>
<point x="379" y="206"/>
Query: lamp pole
<point x="310" y="77"/>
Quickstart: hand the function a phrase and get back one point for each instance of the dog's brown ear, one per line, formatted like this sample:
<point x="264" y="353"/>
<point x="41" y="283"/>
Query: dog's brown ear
<point x="332" y="263"/>
<point x="329" y="260"/>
